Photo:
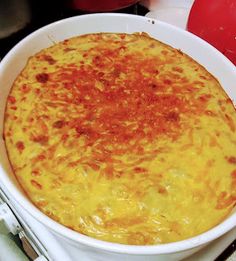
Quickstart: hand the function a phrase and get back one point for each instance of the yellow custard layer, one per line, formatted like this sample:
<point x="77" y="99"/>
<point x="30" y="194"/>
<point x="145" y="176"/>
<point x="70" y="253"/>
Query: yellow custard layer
<point x="123" y="138"/>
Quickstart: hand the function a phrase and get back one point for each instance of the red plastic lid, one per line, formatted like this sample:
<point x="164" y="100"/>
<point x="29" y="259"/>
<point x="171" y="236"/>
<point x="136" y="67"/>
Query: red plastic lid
<point x="215" y="22"/>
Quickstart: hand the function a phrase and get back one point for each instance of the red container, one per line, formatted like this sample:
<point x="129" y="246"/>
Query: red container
<point x="101" y="5"/>
<point x="215" y="22"/>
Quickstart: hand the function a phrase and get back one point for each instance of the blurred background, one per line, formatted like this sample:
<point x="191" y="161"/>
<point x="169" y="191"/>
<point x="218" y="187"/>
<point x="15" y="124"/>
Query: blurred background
<point x="212" y="20"/>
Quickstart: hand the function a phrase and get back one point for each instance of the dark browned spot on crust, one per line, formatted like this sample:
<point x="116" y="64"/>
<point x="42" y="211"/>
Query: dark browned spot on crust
<point x="42" y="139"/>
<point x="49" y="59"/>
<point x="172" y="116"/>
<point x="36" y="184"/>
<point x="11" y="99"/>
<point x="231" y="160"/>
<point x="20" y="146"/>
<point x="58" y="124"/>
<point x="42" y="77"/>
<point x="68" y="49"/>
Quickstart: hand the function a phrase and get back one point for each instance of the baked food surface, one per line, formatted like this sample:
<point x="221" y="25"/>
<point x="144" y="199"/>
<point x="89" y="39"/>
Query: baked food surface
<point x="123" y="138"/>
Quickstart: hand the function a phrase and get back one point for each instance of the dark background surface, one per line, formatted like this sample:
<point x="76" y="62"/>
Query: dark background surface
<point x="45" y="12"/>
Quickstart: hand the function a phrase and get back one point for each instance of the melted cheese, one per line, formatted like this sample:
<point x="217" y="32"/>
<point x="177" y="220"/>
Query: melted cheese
<point x="123" y="138"/>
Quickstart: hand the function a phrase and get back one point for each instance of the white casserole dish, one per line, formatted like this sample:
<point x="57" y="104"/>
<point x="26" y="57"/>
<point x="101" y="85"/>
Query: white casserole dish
<point x="199" y="50"/>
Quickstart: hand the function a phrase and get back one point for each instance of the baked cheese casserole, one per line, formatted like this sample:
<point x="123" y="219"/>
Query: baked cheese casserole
<point x="123" y="138"/>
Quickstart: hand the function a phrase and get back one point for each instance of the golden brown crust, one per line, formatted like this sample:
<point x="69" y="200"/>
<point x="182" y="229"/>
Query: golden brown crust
<point x="123" y="138"/>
